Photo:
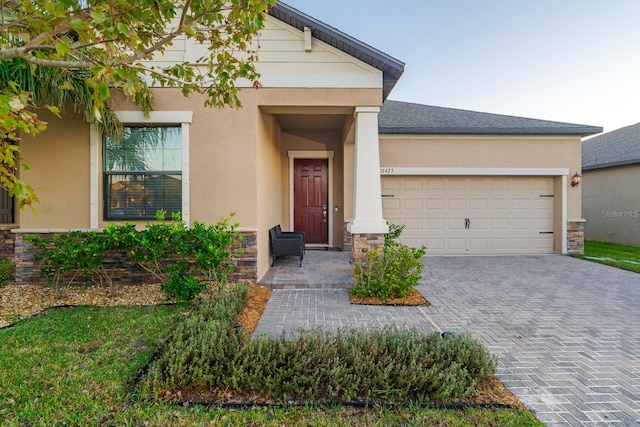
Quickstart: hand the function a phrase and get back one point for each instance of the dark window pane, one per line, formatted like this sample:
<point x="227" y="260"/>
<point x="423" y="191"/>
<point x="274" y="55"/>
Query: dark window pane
<point x="145" y="149"/>
<point x="149" y="160"/>
<point x="141" y="196"/>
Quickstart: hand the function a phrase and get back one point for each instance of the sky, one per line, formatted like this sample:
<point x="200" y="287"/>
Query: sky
<point x="574" y="61"/>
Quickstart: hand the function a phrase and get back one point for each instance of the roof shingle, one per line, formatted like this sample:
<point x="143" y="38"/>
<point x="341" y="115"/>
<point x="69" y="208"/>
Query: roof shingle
<point x="620" y="147"/>
<point x="407" y="118"/>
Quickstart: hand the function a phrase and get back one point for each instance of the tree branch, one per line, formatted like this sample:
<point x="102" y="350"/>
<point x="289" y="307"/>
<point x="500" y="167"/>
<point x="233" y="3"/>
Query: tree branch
<point x="172" y="35"/>
<point x="34" y="42"/>
<point x="168" y="77"/>
<point x="45" y="62"/>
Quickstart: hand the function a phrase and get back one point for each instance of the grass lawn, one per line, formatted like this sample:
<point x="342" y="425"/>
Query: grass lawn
<point x="620" y="256"/>
<point x="79" y="366"/>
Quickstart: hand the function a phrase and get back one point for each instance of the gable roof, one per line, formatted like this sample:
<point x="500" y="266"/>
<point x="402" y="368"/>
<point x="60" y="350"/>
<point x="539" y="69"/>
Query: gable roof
<point x="407" y="118"/>
<point x="620" y="147"/>
<point x="391" y="68"/>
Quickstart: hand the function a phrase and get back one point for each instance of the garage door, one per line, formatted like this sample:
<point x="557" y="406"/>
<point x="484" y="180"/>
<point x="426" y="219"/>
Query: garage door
<point x="455" y="215"/>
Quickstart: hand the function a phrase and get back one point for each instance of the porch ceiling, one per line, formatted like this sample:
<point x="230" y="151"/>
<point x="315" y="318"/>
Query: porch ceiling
<point x="298" y="122"/>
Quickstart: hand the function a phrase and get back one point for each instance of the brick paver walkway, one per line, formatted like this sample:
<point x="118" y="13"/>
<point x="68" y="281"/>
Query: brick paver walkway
<point x="320" y="270"/>
<point x="566" y="331"/>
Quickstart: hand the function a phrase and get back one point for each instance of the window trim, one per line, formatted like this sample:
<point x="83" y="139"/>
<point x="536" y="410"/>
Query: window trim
<point x="132" y="118"/>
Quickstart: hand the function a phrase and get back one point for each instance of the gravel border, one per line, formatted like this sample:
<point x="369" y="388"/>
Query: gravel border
<point x="21" y="301"/>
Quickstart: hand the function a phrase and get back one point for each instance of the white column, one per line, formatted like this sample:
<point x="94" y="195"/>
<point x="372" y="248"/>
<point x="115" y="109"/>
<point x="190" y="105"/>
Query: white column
<point x="186" y="208"/>
<point x="367" y="203"/>
<point x="94" y="176"/>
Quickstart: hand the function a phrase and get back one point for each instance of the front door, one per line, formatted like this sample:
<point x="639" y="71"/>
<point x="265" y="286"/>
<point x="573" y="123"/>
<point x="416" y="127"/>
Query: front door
<point x="311" y="198"/>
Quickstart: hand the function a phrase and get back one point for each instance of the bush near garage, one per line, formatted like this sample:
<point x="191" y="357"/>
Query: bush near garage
<point x="392" y="273"/>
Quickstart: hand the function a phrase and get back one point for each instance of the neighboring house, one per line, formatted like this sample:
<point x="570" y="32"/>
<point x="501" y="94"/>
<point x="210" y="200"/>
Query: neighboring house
<point x="311" y="149"/>
<point x="611" y="186"/>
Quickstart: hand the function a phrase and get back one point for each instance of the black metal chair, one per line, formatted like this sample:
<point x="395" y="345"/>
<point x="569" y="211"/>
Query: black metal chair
<point x="299" y="234"/>
<point x="285" y="246"/>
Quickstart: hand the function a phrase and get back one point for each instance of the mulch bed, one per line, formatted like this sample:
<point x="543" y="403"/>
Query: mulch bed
<point x="253" y="308"/>
<point x="490" y="393"/>
<point x="21" y="301"/>
<point x="413" y="298"/>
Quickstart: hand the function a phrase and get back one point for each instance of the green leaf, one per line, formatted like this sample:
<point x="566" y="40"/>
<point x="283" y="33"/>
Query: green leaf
<point x="54" y="110"/>
<point x="124" y="28"/>
<point x="103" y="90"/>
<point x="77" y="24"/>
<point x="98" y="16"/>
<point x="62" y="48"/>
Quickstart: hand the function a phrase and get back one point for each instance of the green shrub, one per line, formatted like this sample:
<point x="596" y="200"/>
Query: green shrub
<point x="391" y="364"/>
<point x="201" y="348"/>
<point x="185" y="260"/>
<point x="6" y="271"/>
<point x="73" y="253"/>
<point x="395" y="231"/>
<point x="388" y="364"/>
<point x="390" y="274"/>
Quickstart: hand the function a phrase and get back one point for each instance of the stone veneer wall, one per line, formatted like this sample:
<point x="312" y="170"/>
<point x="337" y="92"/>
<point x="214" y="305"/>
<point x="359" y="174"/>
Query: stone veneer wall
<point x="575" y="237"/>
<point x="363" y="243"/>
<point x="347" y="244"/>
<point x="27" y="268"/>
<point x="6" y="242"/>
<point x="245" y="265"/>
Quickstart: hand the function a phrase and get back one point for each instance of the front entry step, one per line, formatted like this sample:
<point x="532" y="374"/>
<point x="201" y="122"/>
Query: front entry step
<point x="321" y="269"/>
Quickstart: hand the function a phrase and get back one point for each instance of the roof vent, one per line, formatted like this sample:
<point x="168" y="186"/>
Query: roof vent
<point x="307" y="39"/>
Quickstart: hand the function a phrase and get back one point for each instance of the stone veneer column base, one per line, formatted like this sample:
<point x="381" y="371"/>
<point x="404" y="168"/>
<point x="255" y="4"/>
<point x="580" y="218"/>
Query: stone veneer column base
<point x="27" y="269"/>
<point x="7" y="242"/>
<point x="347" y="244"/>
<point x="575" y="237"/>
<point x="363" y="243"/>
<point x="245" y="265"/>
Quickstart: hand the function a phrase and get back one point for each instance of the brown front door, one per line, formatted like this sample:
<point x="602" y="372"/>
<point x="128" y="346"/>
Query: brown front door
<point x="311" y="198"/>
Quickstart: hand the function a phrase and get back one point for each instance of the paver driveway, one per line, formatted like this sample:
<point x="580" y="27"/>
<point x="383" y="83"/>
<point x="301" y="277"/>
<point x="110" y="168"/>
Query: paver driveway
<point x="566" y="331"/>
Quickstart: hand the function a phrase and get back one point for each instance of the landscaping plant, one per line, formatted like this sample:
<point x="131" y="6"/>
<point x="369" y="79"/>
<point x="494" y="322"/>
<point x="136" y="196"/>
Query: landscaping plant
<point x="78" y="366"/>
<point x="392" y="273"/>
<point x="74" y="253"/>
<point x="392" y="364"/>
<point x="6" y="271"/>
<point x="185" y="260"/>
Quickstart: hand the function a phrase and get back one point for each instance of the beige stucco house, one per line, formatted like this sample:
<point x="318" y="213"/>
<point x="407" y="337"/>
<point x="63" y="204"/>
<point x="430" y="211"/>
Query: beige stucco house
<point x="611" y="199"/>
<point x="316" y="148"/>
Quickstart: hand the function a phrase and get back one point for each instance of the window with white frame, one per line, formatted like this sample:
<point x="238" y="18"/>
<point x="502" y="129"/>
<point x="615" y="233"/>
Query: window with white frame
<point x="142" y="173"/>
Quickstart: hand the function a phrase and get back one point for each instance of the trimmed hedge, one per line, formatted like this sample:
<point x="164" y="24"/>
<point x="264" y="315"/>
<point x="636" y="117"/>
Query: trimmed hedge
<point x="390" y="364"/>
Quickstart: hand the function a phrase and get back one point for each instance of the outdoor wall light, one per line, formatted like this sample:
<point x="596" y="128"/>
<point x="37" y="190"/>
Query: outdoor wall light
<point x="575" y="180"/>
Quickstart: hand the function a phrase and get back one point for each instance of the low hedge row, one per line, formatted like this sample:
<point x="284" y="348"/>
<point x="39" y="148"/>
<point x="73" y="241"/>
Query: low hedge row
<point x="391" y="364"/>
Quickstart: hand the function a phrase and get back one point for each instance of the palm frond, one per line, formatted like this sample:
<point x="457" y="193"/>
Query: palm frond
<point x="63" y="88"/>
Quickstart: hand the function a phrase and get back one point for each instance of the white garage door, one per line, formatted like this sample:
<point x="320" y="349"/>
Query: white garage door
<point x="455" y="215"/>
